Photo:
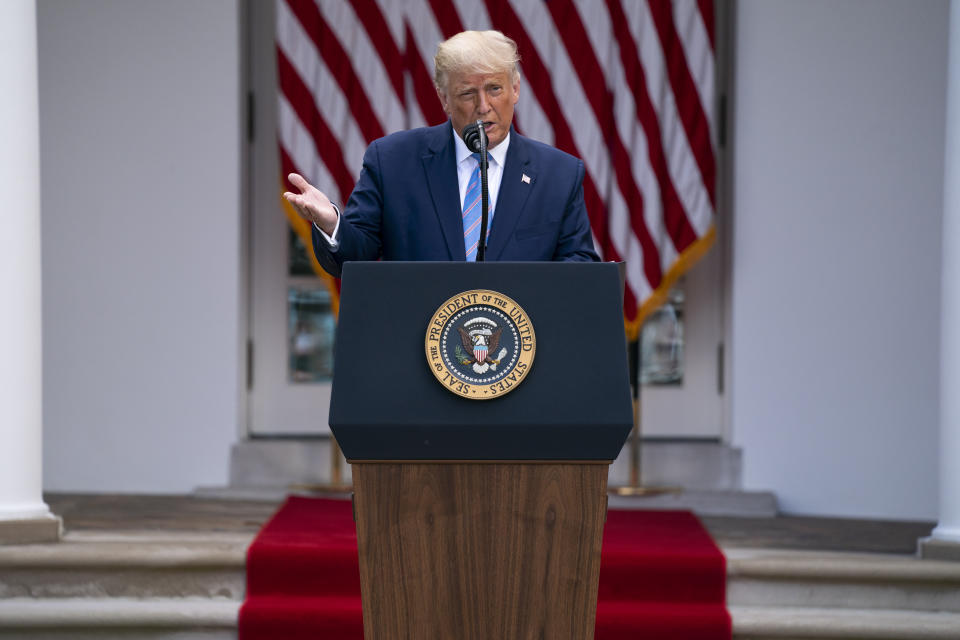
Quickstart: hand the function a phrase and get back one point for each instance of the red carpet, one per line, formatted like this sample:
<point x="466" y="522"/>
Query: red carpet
<point x="661" y="577"/>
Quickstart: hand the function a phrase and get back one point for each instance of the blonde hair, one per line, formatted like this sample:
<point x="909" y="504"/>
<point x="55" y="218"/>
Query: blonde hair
<point x="475" y="52"/>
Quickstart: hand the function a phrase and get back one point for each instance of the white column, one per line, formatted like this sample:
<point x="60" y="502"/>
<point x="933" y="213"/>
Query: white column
<point x="948" y="529"/>
<point x="21" y="428"/>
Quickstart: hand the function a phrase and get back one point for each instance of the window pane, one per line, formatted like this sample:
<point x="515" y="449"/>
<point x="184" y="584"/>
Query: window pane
<point x="311" y="329"/>
<point x="298" y="261"/>
<point x="661" y="345"/>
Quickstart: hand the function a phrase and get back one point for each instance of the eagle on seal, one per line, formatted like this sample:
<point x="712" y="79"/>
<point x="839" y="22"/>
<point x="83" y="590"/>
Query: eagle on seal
<point x="480" y="347"/>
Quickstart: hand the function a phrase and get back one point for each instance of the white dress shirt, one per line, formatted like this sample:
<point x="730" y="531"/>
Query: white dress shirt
<point x="496" y="158"/>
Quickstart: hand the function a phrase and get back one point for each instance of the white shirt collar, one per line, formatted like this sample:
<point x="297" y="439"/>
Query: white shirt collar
<point x="497" y="155"/>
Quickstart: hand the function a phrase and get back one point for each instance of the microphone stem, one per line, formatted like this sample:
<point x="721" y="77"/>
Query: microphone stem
<point x="484" y="200"/>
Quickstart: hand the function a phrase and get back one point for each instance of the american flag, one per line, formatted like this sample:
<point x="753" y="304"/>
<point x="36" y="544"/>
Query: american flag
<point x="625" y="85"/>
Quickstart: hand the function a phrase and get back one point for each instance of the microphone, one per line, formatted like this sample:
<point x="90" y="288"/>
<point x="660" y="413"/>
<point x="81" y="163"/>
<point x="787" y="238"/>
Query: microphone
<point x="472" y="134"/>
<point x="475" y="137"/>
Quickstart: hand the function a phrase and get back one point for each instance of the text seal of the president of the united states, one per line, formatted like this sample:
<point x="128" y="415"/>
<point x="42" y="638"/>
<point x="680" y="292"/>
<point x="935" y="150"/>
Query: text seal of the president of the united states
<point x="480" y="344"/>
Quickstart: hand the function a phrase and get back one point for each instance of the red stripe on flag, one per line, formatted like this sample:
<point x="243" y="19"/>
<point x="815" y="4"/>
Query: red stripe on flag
<point x="591" y="75"/>
<point x="447" y="18"/>
<point x="300" y="98"/>
<point x="376" y="27"/>
<point x="675" y="219"/>
<point x="685" y="93"/>
<point x="338" y="62"/>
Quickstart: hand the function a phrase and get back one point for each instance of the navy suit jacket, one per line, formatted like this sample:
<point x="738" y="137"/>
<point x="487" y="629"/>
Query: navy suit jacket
<point x="406" y="205"/>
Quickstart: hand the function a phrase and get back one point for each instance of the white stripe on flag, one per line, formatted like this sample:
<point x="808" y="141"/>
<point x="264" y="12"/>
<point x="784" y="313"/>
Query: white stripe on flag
<point x="393" y="12"/>
<point x="699" y="55"/>
<point x="426" y="32"/>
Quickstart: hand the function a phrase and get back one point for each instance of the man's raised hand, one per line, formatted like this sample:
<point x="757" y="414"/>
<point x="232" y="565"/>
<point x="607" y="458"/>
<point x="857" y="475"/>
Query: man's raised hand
<point x="312" y="204"/>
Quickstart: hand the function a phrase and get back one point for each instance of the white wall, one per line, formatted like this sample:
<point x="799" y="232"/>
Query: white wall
<point x="139" y="122"/>
<point x="839" y="114"/>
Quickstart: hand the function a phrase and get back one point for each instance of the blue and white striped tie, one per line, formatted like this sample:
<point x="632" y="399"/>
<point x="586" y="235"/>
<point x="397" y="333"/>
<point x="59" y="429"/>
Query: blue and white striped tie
<point x="471" y="214"/>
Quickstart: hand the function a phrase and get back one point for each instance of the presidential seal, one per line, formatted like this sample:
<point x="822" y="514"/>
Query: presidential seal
<point x="480" y="344"/>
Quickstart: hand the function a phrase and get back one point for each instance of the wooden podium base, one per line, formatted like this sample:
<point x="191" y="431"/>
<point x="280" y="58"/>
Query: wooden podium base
<point x="477" y="551"/>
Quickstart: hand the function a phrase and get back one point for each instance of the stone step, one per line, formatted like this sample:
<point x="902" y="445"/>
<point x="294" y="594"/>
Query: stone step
<point x="175" y="565"/>
<point x="118" y="619"/>
<point x="191" y="619"/>
<point x="703" y="502"/>
<point x="131" y="566"/>
<point x="811" y="623"/>
<point x="189" y="587"/>
<point x="778" y="578"/>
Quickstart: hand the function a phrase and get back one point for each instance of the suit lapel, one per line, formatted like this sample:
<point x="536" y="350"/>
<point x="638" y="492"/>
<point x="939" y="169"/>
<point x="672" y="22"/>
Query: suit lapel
<point x="514" y="192"/>
<point x="440" y="166"/>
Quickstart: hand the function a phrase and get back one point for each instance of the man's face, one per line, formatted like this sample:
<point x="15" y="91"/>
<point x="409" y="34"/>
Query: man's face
<point x="481" y="96"/>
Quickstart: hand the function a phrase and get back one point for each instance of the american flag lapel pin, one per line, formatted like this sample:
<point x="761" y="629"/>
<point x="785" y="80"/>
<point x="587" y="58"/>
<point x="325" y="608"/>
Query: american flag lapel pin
<point x="525" y="179"/>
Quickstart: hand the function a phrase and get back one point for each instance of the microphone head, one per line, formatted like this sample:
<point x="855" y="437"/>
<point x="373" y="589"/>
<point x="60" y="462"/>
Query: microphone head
<point x="471" y="135"/>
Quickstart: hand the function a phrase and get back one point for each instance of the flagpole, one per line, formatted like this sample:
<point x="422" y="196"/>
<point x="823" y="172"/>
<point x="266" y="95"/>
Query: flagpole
<point x="635" y="460"/>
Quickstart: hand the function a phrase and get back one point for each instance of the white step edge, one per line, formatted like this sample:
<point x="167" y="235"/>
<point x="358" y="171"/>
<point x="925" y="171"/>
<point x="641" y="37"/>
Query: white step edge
<point x="132" y="550"/>
<point x="81" y="613"/>
<point x="748" y="622"/>
<point x="871" y="624"/>
<point x="825" y="565"/>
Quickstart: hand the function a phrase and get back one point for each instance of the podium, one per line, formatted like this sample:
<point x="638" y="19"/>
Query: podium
<point x="480" y="406"/>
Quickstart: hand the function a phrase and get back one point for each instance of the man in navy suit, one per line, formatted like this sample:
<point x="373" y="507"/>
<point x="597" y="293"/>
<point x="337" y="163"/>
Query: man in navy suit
<point x="417" y="196"/>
